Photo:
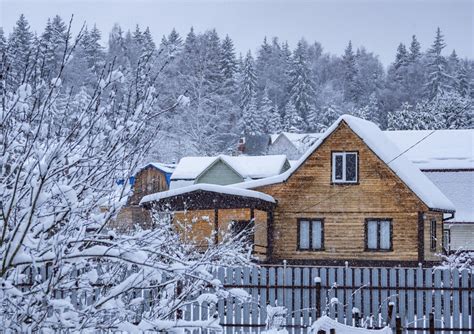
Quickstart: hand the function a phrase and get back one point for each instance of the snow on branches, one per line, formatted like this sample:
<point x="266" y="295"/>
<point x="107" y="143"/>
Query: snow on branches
<point x="61" y="267"/>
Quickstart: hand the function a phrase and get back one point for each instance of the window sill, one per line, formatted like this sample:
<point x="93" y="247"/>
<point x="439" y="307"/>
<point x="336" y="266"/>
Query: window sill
<point x="344" y="183"/>
<point x="311" y="250"/>
<point x="378" y="250"/>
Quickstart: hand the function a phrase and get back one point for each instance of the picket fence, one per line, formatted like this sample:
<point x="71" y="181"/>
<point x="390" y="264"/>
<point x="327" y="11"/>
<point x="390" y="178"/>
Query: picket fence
<point x="363" y="297"/>
<point x="415" y="299"/>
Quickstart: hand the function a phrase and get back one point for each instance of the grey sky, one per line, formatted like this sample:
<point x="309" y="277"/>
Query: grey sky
<point x="379" y="25"/>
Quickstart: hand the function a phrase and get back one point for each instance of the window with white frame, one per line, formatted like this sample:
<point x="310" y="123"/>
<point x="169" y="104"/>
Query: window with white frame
<point x="378" y="234"/>
<point x="344" y="167"/>
<point x="310" y="234"/>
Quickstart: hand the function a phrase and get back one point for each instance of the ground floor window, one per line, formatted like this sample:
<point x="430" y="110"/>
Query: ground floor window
<point x="446" y="240"/>
<point x="310" y="234"/>
<point x="378" y="235"/>
<point x="433" y="238"/>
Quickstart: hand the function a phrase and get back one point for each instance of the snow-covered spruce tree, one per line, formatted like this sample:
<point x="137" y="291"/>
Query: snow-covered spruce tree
<point x="301" y="89"/>
<point x="438" y="77"/>
<point x="58" y="167"/>
<point x="20" y="50"/>
<point x="248" y="81"/>
<point x="292" y="121"/>
<point x="350" y="88"/>
<point x="253" y="122"/>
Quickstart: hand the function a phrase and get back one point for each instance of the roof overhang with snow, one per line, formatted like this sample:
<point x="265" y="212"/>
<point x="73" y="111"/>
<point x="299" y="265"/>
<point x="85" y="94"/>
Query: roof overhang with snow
<point x="383" y="148"/>
<point x="204" y="196"/>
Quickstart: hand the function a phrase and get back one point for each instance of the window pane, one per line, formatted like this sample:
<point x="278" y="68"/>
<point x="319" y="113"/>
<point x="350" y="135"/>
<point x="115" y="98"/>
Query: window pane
<point x="338" y="167"/>
<point x="304" y="234"/>
<point x="351" y="167"/>
<point x="385" y="235"/>
<point x="317" y="240"/>
<point x="372" y="234"/>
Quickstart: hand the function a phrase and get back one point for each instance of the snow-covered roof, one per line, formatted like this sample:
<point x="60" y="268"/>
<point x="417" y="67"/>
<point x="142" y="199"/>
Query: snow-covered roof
<point x="302" y="141"/>
<point x="164" y="167"/>
<point x="249" y="167"/>
<point x="210" y="188"/>
<point x="441" y="149"/>
<point x="459" y="188"/>
<point x="386" y="150"/>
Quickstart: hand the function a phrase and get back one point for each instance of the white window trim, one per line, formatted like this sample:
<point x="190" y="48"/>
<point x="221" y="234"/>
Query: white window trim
<point x="333" y="167"/>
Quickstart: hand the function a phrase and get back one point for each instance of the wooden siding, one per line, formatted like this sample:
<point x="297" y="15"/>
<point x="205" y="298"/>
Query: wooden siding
<point x="219" y="173"/>
<point x="148" y="181"/>
<point x="309" y="193"/>
<point x="462" y="236"/>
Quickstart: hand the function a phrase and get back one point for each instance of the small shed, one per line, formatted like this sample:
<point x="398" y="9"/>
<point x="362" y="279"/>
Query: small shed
<point x="204" y="212"/>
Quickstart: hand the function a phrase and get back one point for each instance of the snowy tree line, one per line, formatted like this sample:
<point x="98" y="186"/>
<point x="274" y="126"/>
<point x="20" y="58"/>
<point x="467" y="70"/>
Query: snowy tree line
<point x="224" y="95"/>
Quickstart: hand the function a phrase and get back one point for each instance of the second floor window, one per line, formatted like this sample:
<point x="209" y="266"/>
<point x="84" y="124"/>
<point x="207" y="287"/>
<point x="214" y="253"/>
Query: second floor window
<point x="344" y="167"/>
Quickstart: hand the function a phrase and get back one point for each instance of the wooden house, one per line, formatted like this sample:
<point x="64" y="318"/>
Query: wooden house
<point x="149" y="179"/>
<point x="225" y="169"/>
<point x="353" y="198"/>
<point x="446" y="157"/>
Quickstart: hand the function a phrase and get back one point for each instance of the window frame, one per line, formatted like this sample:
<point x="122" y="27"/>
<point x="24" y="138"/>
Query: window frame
<point x="334" y="154"/>
<point x="447" y="233"/>
<point x="310" y="234"/>
<point x="366" y="235"/>
<point x="433" y="237"/>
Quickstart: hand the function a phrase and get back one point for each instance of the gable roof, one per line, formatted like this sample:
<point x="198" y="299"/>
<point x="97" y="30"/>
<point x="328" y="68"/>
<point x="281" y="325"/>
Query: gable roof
<point x="441" y="149"/>
<point x="301" y="141"/>
<point x="249" y="167"/>
<point x="387" y="151"/>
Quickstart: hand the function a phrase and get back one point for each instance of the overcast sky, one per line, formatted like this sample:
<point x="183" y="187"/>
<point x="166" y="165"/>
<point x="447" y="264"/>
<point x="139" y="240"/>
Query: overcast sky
<point x="379" y="25"/>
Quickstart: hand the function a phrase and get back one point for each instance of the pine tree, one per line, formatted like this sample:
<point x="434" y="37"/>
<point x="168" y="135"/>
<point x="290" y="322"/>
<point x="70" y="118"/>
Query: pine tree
<point x="402" y="119"/>
<point x="173" y="44"/>
<point x="370" y="111"/>
<point x="228" y="62"/>
<point x="292" y="121"/>
<point x="20" y="48"/>
<point x="252" y="119"/>
<point x="401" y="58"/>
<point x="248" y="81"/>
<point x="302" y="88"/>
<point x="266" y="112"/>
<point x="93" y="50"/>
<point x="438" y="78"/>
<point x="328" y="115"/>
<point x="274" y="123"/>
<point x="3" y="43"/>
<point x="149" y="46"/>
<point x="415" y="50"/>
<point x="350" y="73"/>
<point x="462" y="84"/>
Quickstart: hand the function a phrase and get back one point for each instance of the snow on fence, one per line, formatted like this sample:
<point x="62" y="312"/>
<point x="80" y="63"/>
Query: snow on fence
<point x="362" y="297"/>
<point x="409" y="300"/>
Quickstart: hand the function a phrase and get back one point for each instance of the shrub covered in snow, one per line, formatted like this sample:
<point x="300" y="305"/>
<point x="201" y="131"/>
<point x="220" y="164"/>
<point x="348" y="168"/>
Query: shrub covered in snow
<point x="460" y="259"/>
<point x="61" y="268"/>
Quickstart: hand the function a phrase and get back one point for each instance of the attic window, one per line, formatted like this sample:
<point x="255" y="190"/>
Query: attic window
<point x="344" y="167"/>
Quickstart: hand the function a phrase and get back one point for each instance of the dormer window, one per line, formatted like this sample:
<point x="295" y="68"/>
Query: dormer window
<point x="345" y="167"/>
